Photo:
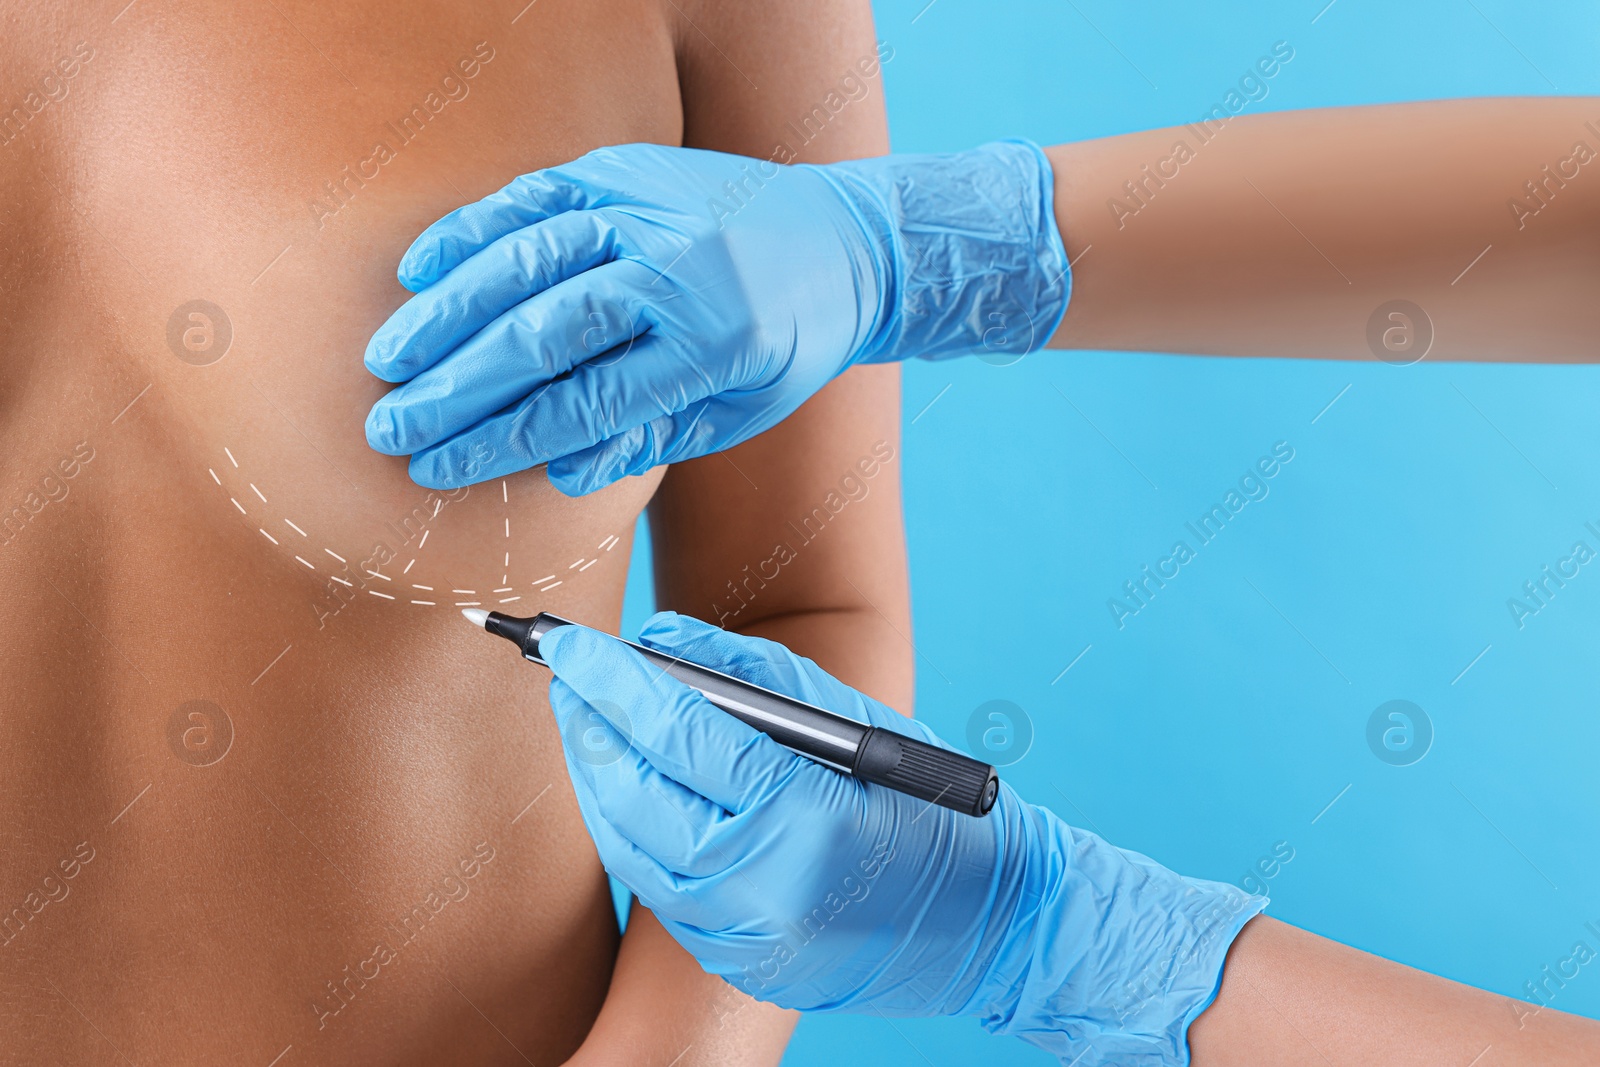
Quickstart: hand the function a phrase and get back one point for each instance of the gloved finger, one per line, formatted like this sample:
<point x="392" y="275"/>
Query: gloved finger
<point x="670" y="822"/>
<point x="673" y="897"/>
<point x="665" y="439"/>
<point x="711" y="425"/>
<point x="525" y="200"/>
<point x="525" y="348"/>
<point x="680" y="885"/>
<point x="600" y="399"/>
<point x="681" y="734"/>
<point x="772" y="666"/>
<point x="492" y="281"/>
<point x="651" y="882"/>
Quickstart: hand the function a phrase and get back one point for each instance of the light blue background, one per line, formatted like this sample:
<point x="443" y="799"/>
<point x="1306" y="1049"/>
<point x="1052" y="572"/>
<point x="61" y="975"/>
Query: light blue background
<point x="1217" y="724"/>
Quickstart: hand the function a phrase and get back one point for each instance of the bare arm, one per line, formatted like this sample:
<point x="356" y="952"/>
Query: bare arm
<point x="738" y="536"/>
<point x="1281" y="234"/>
<point x="1290" y="998"/>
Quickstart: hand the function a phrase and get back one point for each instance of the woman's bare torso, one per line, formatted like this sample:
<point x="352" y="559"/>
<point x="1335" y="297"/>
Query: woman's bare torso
<point x="264" y="792"/>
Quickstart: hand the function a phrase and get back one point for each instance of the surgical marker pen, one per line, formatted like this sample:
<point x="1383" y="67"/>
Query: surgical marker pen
<point x="869" y="753"/>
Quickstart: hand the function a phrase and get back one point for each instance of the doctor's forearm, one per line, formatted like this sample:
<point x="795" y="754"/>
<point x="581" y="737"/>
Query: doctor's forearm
<point x="1281" y="234"/>
<point x="1291" y="998"/>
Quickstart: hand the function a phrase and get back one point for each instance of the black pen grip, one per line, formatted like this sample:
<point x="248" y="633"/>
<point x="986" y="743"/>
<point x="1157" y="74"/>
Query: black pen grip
<point x="927" y="772"/>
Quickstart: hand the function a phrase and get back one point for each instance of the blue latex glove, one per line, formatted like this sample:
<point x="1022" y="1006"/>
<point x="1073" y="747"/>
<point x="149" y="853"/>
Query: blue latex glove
<point x="811" y="890"/>
<point x="643" y="304"/>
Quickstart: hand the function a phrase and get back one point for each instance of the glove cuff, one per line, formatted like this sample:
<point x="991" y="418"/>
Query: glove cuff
<point x="1118" y="956"/>
<point x="969" y="258"/>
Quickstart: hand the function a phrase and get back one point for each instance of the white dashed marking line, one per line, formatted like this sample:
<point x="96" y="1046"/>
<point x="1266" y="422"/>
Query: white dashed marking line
<point x="543" y="585"/>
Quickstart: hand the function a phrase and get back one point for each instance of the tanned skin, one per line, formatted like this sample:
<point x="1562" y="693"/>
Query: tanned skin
<point x="257" y="801"/>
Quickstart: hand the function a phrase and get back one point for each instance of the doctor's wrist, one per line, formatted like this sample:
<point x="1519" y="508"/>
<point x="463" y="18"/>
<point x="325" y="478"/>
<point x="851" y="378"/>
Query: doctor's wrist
<point x="966" y="250"/>
<point x="1109" y="957"/>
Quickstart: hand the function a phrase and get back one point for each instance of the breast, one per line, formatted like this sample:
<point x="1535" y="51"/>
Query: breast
<point x="242" y="212"/>
<point x="321" y="811"/>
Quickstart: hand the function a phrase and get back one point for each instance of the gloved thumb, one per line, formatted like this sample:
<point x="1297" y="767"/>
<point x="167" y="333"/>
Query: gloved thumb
<point x="751" y="659"/>
<point x="772" y="666"/>
<point x="677" y="731"/>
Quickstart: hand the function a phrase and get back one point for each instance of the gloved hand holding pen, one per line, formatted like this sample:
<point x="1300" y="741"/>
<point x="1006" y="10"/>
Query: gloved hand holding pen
<point x="812" y="890"/>
<point x="806" y="888"/>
